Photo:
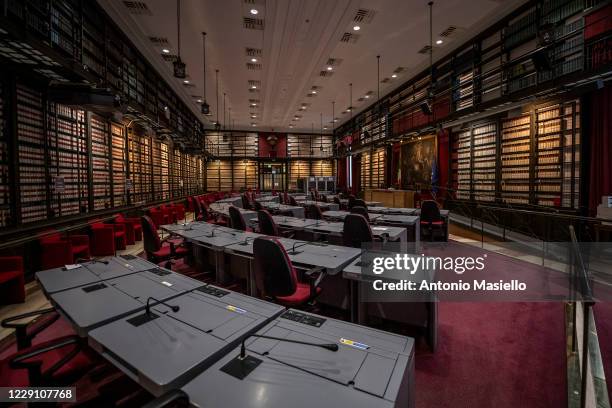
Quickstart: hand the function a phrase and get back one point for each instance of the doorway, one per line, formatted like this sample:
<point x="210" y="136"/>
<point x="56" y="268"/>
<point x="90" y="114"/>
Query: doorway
<point x="272" y="176"/>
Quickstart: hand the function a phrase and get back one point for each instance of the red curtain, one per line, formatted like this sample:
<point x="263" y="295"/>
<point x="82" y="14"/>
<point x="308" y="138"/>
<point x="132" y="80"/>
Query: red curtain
<point x="601" y="147"/>
<point x="341" y="172"/>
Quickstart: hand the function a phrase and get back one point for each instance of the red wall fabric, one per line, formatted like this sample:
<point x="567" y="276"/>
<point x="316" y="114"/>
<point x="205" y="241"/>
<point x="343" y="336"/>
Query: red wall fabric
<point x="598" y="22"/>
<point x="267" y="150"/>
<point x="341" y="173"/>
<point x="601" y="147"/>
<point x="443" y="152"/>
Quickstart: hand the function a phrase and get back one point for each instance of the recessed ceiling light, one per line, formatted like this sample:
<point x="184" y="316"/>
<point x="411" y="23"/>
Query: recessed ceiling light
<point x="254" y="11"/>
<point x="394" y="76"/>
<point x="253" y="87"/>
<point x="439" y="42"/>
<point x="253" y="124"/>
<point x="253" y="104"/>
<point x="166" y="51"/>
<point x="367" y="96"/>
<point x="329" y="68"/>
<point x="186" y="81"/>
<point x="253" y="59"/>
<point x="324" y="127"/>
<point x="335" y="120"/>
<point x="356" y="28"/>
<point x="199" y="101"/>
<point x="313" y="92"/>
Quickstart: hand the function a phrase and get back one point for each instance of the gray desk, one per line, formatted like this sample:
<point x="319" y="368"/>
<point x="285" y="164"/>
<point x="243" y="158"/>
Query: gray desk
<point x="164" y="353"/>
<point x="444" y="214"/>
<point x="344" y="201"/>
<point x="302" y="376"/>
<point x="337" y="228"/>
<point x="341" y="215"/>
<point x="91" y="306"/>
<point x="415" y="313"/>
<point x="223" y="209"/>
<point x="392" y="210"/>
<point x="292" y="223"/>
<point x="296" y="211"/>
<point x="236" y="201"/>
<point x="321" y="204"/>
<point x="58" y="279"/>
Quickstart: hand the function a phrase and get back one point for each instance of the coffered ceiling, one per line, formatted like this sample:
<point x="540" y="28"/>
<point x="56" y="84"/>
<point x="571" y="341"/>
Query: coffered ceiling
<point x="286" y="66"/>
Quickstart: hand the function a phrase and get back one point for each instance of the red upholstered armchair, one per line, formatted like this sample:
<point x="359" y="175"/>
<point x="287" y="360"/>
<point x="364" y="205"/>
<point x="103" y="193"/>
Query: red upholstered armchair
<point x="133" y="229"/>
<point x="58" y="250"/>
<point x="12" y="285"/>
<point x="169" y="214"/>
<point x="60" y="361"/>
<point x="158" y="217"/>
<point x="107" y="238"/>
<point x="179" y="210"/>
<point x="276" y="277"/>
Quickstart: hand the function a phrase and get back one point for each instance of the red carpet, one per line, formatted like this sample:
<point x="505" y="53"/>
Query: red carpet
<point x="603" y="321"/>
<point x="495" y="355"/>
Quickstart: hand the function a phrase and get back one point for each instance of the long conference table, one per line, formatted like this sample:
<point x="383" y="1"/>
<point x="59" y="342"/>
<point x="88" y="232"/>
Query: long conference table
<point x="167" y="331"/>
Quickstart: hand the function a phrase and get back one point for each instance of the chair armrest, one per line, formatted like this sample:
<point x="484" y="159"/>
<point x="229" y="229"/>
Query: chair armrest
<point x="24" y="339"/>
<point x="315" y="277"/>
<point x="179" y="397"/>
<point x="11" y="263"/>
<point x="79" y="239"/>
<point x="287" y="233"/>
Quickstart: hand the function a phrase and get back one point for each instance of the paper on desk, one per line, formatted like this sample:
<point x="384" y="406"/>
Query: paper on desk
<point x="72" y="266"/>
<point x="380" y="228"/>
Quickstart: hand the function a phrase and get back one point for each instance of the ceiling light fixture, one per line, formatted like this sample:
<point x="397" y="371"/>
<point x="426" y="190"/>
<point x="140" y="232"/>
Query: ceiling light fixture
<point x="367" y="96"/>
<point x="253" y="59"/>
<point x="329" y="68"/>
<point x="313" y="92"/>
<point x="439" y="42"/>
<point x="253" y="87"/>
<point x="254" y="12"/>
<point x="179" y="66"/>
<point x="166" y="51"/>
<point x="199" y="101"/>
<point x="186" y="81"/>
<point x="356" y="28"/>
<point x="394" y="76"/>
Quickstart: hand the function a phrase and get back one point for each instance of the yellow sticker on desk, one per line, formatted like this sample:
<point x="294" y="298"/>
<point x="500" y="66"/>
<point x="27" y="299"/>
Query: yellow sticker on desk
<point x="354" y="343"/>
<point x="235" y="309"/>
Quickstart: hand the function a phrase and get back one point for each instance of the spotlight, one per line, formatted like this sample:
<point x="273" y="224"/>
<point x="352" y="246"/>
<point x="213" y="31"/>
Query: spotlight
<point x="356" y="28"/>
<point x="254" y="12"/>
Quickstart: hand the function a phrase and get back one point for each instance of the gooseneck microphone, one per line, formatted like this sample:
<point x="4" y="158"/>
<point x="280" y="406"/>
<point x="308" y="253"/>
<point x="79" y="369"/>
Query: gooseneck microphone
<point x="174" y="308"/>
<point x="93" y="260"/>
<point x="212" y="231"/>
<point x="328" y="346"/>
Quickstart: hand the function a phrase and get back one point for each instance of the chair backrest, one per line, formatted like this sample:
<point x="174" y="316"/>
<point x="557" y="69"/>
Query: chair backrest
<point x="351" y="201"/>
<point x="359" y="203"/>
<point x="361" y="211"/>
<point x="267" y="225"/>
<point x="337" y="201"/>
<point x="314" y="212"/>
<point x="356" y="230"/>
<point x="274" y="273"/>
<point x="292" y="201"/>
<point x="313" y="195"/>
<point x="257" y="205"/>
<point x="236" y="219"/>
<point x="285" y="198"/>
<point x="197" y="207"/>
<point x="430" y="211"/>
<point x="246" y="204"/>
<point x="150" y="237"/>
<point x="323" y="198"/>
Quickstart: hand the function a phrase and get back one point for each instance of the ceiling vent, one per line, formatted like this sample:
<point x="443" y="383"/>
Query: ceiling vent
<point x="253" y="52"/>
<point x="253" y="82"/>
<point x="334" y="62"/>
<point x="253" y="23"/>
<point x="159" y="40"/>
<point x="425" y="50"/>
<point x="253" y="100"/>
<point x="326" y="74"/>
<point x="138" y="7"/>
<point x="364" y="16"/>
<point x="253" y="67"/>
<point x="349" y="38"/>
<point x="448" y="31"/>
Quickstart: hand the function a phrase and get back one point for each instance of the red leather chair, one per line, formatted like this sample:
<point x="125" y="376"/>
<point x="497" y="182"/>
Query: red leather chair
<point x="133" y="229"/>
<point x="157" y="250"/>
<point x="237" y="220"/>
<point x="179" y="210"/>
<point x="190" y="205"/>
<point x="59" y="361"/>
<point x="314" y="212"/>
<point x="285" y="198"/>
<point x="107" y="238"/>
<point x="268" y="226"/>
<point x="276" y="277"/>
<point x="12" y="284"/>
<point x="158" y="217"/>
<point x="169" y="214"/>
<point x="361" y="211"/>
<point x="431" y="220"/>
<point x="58" y="250"/>
<point x="356" y="231"/>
